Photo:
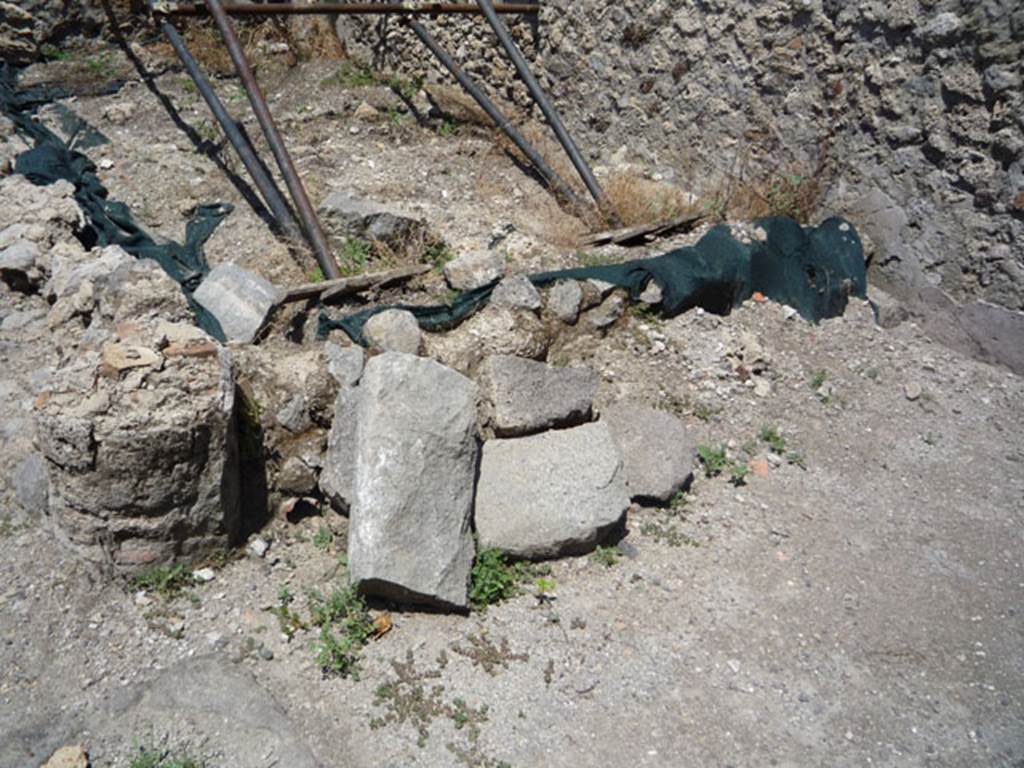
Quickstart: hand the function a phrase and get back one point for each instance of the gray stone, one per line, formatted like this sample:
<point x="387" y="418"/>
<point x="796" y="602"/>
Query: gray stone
<point x="527" y="396"/>
<point x="564" y="300"/>
<point x="394" y="330"/>
<point x="17" y="44"/>
<point x="18" y="266"/>
<point x="72" y="267"/>
<point x="494" y="330"/>
<point x="550" y="494"/>
<point x="338" y="476"/>
<point x="608" y="313"/>
<point x="657" y="451"/>
<point x="474" y="270"/>
<point x="416" y="456"/>
<point x="345" y="215"/>
<point x="517" y="292"/>
<point x="30" y="484"/>
<point x="997" y="331"/>
<point x="258" y="547"/>
<point x="345" y="364"/>
<point x="652" y="293"/>
<point x="240" y="300"/>
<point x="20" y="319"/>
<point x="208" y="692"/>
<point x="294" y="416"/>
<point x="942" y="26"/>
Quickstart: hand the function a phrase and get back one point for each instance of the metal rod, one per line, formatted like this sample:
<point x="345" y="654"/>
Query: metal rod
<point x="271" y="9"/>
<point x="268" y="189"/>
<point x="550" y="176"/>
<point x="305" y="210"/>
<point x="548" y="109"/>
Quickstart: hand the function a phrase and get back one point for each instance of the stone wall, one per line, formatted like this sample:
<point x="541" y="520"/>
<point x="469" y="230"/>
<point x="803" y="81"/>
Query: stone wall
<point x="910" y="113"/>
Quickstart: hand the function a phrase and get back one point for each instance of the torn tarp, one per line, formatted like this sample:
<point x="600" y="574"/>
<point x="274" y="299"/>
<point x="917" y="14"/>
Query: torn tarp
<point x="109" y="222"/>
<point x="814" y="270"/>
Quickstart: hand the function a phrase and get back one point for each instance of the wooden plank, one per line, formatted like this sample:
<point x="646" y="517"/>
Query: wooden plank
<point x="346" y="286"/>
<point x="627" y="234"/>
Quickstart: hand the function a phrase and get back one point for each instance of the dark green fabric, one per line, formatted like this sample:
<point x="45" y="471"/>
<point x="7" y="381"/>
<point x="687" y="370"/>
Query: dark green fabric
<point x="109" y="222"/>
<point x="814" y="270"/>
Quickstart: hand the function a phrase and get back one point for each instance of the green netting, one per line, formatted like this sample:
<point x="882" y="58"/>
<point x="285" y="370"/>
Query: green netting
<point x="109" y="222"/>
<point x="814" y="270"/>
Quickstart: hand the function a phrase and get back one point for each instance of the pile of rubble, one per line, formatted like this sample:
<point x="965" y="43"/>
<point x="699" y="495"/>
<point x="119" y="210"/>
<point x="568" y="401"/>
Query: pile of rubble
<point x="160" y="443"/>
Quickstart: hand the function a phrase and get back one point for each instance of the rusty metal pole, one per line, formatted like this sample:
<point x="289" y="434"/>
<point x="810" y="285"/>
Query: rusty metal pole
<point x="274" y="9"/>
<point x="550" y="176"/>
<point x="310" y="223"/>
<point x="268" y="189"/>
<point x="549" y="111"/>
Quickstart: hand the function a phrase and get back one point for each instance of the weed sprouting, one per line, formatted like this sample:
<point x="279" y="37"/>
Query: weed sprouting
<point x="716" y="462"/>
<point x="345" y="627"/>
<point x="485" y="653"/>
<point x="323" y="538"/>
<point x="738" y="473"/>
<point x="349" y="75"/>
<point x="494" y="578"/>
<point x="713" y="459"/>
<point x="168" y="581"/>
<point x="354" y="255"/>
<point x="606" y="556"/>
<point x="155" y="758"/>
<point x="775" y="441"/>
<point x="437" y="254"/>
<point x="818" y="378"/>
<point x="287" y="620"/>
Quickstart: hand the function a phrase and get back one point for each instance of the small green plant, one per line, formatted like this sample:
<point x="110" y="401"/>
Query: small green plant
<point x="445" y="128"/>
<point x="344" y="612"/>
<point x="494" y="579"/>
<point x="544" y="586"/>
<point x="665" y="531"/>
<point x="316" y="275"/>
<point x="287" y="620"/>
<point x="323" y="538"/>
<point x="168" y="581"/>
<point x="208" y="132"/>
<point x="155" y="758"/>
<point x="349" y="75"/>
<point x="775" y="441"/>
<point x="818" y="378"/>
<point x="437" y="254"/>
<point x="354" y="255"/>
<point x="713" y="459"/>
<point x="395" y="118"/>
<point x="796" y="458"/>
<point x="405" y="89"/>
<point x="53" y="53"/>
<point x="101" y="67"/>
<point x="606" y="556"/>
<point x="738" y="473"/>
<point x="483" y="652"/>
<point x="592" y="259"/>
<point x="791" y="195"/>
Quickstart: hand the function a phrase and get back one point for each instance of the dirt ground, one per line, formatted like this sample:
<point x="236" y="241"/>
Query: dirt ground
<point x="855" y="603"/>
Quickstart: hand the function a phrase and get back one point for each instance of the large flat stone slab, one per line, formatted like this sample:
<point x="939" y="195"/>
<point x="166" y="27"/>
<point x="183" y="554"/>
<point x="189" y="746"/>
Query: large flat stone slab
<point x="526" y="396"/>
<point x="551" y="494"/>
<point x="415" y="461"/>
<point x="657" y="451"/>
